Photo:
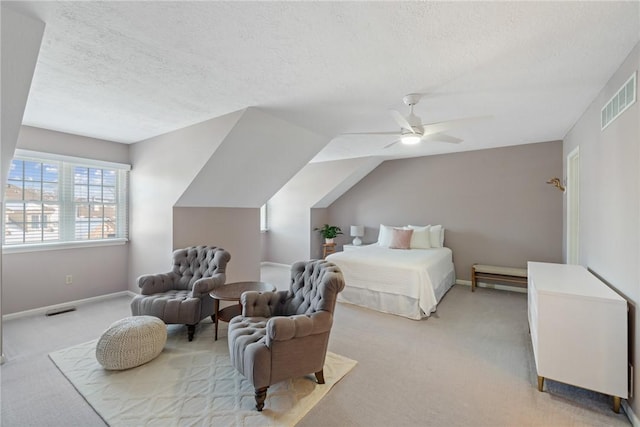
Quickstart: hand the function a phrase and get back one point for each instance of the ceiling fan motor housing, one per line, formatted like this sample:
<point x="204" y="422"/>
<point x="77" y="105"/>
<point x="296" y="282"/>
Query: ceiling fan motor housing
<point x="411" y="99"/>
<point x="415" y="121"/>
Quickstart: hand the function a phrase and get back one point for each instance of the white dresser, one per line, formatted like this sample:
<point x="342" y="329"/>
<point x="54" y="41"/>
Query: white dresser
<point x="578" y="329"/>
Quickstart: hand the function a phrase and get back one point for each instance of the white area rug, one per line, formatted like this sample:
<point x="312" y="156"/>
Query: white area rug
<point x="190" y="384"/>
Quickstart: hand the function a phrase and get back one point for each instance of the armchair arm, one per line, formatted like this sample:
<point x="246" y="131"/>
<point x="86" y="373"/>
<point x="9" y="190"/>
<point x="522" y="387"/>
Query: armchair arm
<point x="261" y="304"/>
<point x="155" y="283"/>
<point x="203" y="286"/>
<point x="301" y="325"/>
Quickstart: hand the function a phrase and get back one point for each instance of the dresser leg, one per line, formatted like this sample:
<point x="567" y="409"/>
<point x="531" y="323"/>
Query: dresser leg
<point x="540" y="383"/>
<point x="616" y="404"/>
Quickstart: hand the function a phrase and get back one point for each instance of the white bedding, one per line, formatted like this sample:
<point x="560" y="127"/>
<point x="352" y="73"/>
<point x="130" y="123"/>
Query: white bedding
<point x="408" y="282"/>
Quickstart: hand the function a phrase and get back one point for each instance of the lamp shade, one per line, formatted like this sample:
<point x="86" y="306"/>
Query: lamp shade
<point x="357" y="231"/>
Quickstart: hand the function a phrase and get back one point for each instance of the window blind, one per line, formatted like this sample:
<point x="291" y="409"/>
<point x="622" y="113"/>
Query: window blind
<point x="51" y="198"/>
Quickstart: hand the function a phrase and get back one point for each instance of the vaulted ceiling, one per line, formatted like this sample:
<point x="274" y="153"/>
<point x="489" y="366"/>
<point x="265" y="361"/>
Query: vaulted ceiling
<point x="128" y="71"/>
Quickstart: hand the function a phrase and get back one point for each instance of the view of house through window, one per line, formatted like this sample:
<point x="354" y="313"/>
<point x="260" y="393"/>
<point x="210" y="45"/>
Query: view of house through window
<point x="58" y="201"/>
<point x="32" y="202"/>
<point x="95" y="204"/>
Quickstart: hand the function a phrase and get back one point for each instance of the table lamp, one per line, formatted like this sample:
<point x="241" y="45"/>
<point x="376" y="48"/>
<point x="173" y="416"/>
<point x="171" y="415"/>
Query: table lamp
<point x="357" y="231"/>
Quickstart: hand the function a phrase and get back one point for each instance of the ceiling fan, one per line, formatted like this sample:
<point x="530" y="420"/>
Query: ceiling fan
<point x="413" y="131"/>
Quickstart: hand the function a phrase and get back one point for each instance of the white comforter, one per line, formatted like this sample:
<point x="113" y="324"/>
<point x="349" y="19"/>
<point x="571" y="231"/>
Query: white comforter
<point x="411" y="272"/>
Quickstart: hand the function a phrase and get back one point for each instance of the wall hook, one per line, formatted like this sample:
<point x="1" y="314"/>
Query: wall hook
<point x="556" y="183"/>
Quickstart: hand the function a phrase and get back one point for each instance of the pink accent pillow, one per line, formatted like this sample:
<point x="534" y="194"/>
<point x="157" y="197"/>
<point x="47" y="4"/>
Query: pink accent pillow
<point x="400" y="238"/>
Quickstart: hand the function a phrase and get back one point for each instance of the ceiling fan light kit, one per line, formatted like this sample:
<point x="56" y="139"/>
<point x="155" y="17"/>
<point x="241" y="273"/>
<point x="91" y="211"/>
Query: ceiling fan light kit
<point x="410" y="139"/>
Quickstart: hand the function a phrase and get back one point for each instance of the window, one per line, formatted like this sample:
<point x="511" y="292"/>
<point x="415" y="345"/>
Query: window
<point x="56" y="199"/>
<point x="264" y="225"/>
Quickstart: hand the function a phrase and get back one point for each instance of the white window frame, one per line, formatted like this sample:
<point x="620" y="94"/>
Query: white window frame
<point x="264" y="218"/>
<point x="66" y="202"/>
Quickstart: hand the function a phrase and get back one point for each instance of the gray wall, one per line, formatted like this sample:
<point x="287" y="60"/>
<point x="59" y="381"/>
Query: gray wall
<point x="610" y="197"/>
<point x="235" y="229"/>
<point x="494" y="204"/>
<point x="37" y="279"/>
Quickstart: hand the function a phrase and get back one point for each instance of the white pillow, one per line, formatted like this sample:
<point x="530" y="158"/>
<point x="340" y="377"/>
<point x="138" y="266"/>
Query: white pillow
<point x="436" y="236"/>
<point x="420" y="239"/>
<point x="384" y="235"/>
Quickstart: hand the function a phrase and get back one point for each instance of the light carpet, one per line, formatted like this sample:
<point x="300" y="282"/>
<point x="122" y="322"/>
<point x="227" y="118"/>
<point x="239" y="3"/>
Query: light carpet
<point x="189" y="384"/>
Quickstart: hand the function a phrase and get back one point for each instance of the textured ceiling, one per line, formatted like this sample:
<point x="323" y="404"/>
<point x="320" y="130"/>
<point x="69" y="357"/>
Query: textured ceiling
<point x="128" y="71"/>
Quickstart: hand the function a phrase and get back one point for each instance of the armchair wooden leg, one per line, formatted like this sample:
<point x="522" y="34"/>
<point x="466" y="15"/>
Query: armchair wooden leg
<point x="261" y="395"/>
<point x="320" y="376"/>
<point x="191" y="330"/>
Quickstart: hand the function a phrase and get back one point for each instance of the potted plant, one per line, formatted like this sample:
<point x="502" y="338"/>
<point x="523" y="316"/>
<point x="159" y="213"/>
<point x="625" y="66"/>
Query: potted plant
<point x="329" y="232"/>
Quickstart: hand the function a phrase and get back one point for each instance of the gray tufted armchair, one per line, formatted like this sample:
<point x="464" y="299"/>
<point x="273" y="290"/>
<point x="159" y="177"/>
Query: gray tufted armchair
<point x="181" y="296"/>
<point x="285" y="334"/>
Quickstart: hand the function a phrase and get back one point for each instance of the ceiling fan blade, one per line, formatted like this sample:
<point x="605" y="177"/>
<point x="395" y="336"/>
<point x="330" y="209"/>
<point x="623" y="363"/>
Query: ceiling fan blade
<point x="402" y="121"/>
<point x="441" y="137"/>
<point x="389" y="145"/>
<point x="431" y="128"/>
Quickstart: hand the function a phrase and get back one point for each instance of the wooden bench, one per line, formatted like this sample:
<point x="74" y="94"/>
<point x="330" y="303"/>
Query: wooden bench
<point x="497" y="274"/>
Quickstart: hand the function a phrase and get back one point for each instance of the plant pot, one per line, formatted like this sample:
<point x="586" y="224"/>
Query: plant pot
<point x="328" y="241"/>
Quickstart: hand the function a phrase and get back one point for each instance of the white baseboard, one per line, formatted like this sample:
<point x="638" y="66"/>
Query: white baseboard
<point x="635" y="421"/>
<point x="274" y="264"/>
<point x="493" y="286"/>
<point x="43" y="310"/>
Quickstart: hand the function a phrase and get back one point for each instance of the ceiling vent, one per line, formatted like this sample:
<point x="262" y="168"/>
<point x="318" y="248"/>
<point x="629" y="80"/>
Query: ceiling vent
<point x="623" y="99"/>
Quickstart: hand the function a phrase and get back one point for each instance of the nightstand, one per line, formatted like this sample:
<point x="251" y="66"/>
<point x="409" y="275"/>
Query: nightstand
<point x="327" y="249"/>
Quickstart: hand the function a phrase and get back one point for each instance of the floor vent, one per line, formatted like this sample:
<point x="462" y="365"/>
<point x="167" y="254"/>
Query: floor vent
<point x="623" y="99"/>
<point x="59" y="310"/>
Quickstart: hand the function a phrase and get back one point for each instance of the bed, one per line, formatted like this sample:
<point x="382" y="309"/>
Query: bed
<point x="406" y="282"/>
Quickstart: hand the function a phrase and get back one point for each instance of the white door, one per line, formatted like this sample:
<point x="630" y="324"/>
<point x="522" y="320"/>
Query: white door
<point x="573" y="207"/>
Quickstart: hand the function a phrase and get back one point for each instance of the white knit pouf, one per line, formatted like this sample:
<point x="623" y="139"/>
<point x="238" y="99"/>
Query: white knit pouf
<point x="131" y="342"/>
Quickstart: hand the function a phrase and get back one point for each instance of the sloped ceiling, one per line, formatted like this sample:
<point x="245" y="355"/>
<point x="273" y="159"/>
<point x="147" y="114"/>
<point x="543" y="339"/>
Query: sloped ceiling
<point x="319" y="184"/>
<point x="21" y="37"/>
<point x="128" y="71"/>
<point x="231" y="178"/>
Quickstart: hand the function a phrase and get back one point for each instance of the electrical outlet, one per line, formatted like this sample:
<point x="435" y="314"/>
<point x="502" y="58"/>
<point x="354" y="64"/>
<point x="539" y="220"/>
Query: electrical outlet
<point x="69" y="279"/>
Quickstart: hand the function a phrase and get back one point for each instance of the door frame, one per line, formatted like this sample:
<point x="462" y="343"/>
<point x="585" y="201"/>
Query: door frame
<point x="573" y="206"/>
